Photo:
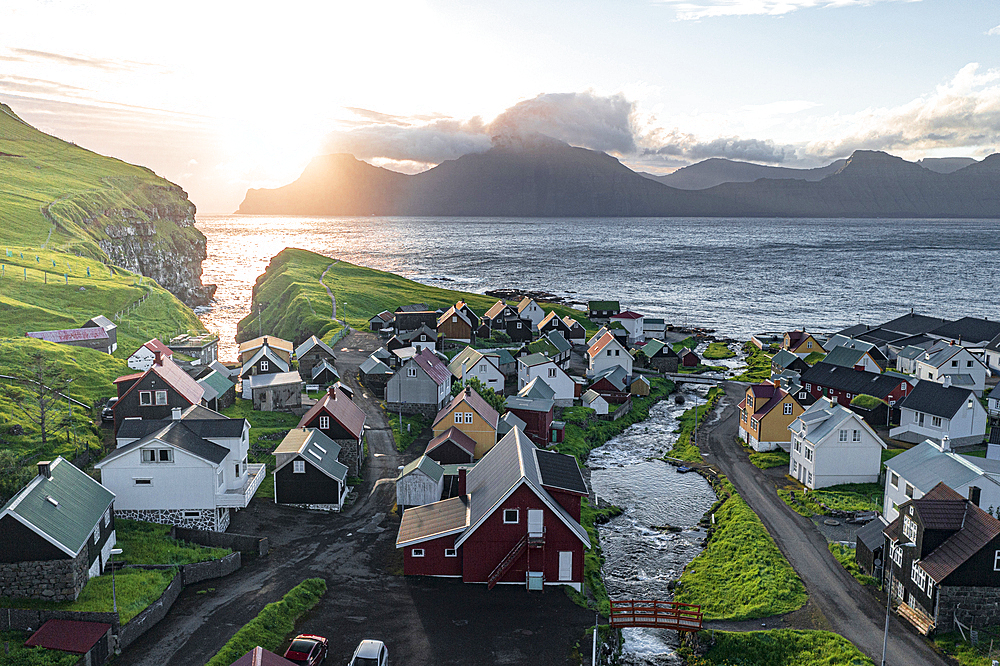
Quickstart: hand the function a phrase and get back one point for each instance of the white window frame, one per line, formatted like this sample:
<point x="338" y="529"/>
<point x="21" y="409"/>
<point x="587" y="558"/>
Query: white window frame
<point x="458" y="417"/>
<point x="264" y="365"/>
<point x="417" y="552"/>
<point x="324" y="423"/>
<point x="97" y="534"/>
<point x="161" y="398"/>
<point x="298" y="467"/>
<point x="787" y="409"/>
<point x="145" y="398"/>
<point x="107" y="517"/>
<point x="468" y="417"/>
<point x="411" y="372"/>
<point x="192" y="514"/>
<point x="894" y="480"/>
<point x="936" y="421"/>
<point x="451" y="552"/>
<point x="517" y="516"/>
<point x="142" y="482"/>
<point x="843" y="435"/>
<point x="856" y="436"/>
<point x="996" y="561"/>
<point x="909" y="528"/>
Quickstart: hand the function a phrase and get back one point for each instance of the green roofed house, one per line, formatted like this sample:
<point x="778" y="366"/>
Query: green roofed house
<point x="602" y="311"/>
<point x="219" y="391"/>
<point x="55" y="533"/>
<point x="420" y="482"/>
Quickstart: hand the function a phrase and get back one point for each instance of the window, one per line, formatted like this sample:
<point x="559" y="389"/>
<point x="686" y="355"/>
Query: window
<point x="411" y="372"/>
<point x="454" y="320"/>
<point x="450" y="552"/>
<point x="795" y="467"/>
<point x="107" y="517"/>
<point x="897" y="555"/>
<point x="848" y="395"/>
<point x="221" y="478"/>
<point x="617" y="352"/>
<point x="894" y="480"/>
<point x="417" y="552"/>
<point x="968" y="364"/>
<point x="809" y="453"/>
<point x="97" y="534"/>
<point x="192" y="514"/>
<point x="510" y="515"/>
<point x="810" y="478"/>
<point x="324" y="423"/>
<point x="143" y="482"/>
<point x="857" y="436"/>
<point x="809" y="387"/>
<point x="609" y="352"/>
<point x="482" y="368"/>
<point x="468" y="417"/>
<point x="145" y="398"/>
<point x="237" y="466"/>
<point x="969" y="404"/>
<point x="909" y="490"/>
<point x="917" y="574"/>
<point x="843" y="435"/>
<point x="809" y="344"/>
<point x="161" y="397"/>
<point x="458" y="417"/>
<point x="802" y="395"/>
<point x="753" y="423"/>
<point x="798" y="446"/>
<point x="902" y="387"/>
<point x="519" y="325"/>
<point x="298" y="467"/>
<point x="263" y="365"/>
<point x="157" y="455"/>
<point x="909" y="528"/>
<point x="936" y="421"/>
<point x="552" y="372"/>
<point x="954" y="364"/>
<point x="788" y="408"/>
<point x="996" y="561"/>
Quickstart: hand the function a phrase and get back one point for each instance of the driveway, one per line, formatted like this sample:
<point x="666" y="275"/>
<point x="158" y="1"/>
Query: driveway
<point x="421" y="620"/>
<point x="836" y="601"/>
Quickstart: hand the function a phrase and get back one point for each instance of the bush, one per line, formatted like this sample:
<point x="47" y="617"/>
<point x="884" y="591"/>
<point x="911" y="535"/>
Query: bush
<point x="273" y="623"/>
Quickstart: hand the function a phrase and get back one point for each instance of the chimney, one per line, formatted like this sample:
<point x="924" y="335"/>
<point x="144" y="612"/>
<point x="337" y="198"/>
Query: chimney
<point x="175" y="413"/>
<point x="946" y="382"/>
<point x="45" y="468"/>
<point x="946" y="444"/>
<point x="974" y="494"/>
<point x="158" y="357"/>
<point x="461" y="481"/>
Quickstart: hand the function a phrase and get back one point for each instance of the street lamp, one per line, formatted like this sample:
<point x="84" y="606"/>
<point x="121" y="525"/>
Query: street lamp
<point x="888" y="600"/>
<point x="114" y="597"/>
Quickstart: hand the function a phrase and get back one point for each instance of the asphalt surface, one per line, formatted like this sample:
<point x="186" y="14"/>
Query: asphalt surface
<point x="421" y="620"/>
<point x="837" y="602"/>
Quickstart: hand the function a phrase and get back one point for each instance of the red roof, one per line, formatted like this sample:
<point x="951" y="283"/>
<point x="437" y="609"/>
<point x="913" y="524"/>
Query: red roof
<point x="68" y="635"/>
<point x="433" y="366"/>
<point x="477" y="403"/>
<point x="155" y="345"/>
<point x="176" y="378"/>
<point x="628" y="314"/>
<point x="71" y="335"/>
<point x="455" y="435"/>
<point x="599" y="345"/>
<point x="261" y="657"/>
<point x="343" y="410"/>
<point x="129" y="377"/>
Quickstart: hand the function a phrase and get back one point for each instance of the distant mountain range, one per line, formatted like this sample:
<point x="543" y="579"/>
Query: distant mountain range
<point x="541" y="177"/>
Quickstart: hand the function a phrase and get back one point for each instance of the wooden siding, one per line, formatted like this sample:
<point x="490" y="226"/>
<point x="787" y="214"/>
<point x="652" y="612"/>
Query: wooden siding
<point x="479" y="430"/>
<point x="433" y="563"/>
<point x="22" y="545"/>
<point x="311" y="487"/>
<point x="128" y="405"/>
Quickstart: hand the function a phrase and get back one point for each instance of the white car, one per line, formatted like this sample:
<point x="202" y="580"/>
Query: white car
<point x="370" y="653"/>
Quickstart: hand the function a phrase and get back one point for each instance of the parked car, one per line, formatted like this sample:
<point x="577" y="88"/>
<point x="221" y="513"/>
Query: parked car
<point x="307" y="649"/>
<point x="108" y="413"/>
<point x="370" y="653"/>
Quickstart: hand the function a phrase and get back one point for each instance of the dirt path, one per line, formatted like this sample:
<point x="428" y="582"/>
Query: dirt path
<point x="333" y="299"/>
<point x="837" y="602"/>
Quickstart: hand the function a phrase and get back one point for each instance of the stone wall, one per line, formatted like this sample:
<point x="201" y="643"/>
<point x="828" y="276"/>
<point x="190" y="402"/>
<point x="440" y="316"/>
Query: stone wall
<point x="249" y="546"/>
<point x="350" y="456"/>
<point x="430" y="411"/>
<point x="663" y="364"/>
<point x="155" y="612"/>
<point x="52" y="580"/>
<point x="205" y="520"/>
<point x="978" y="606"/>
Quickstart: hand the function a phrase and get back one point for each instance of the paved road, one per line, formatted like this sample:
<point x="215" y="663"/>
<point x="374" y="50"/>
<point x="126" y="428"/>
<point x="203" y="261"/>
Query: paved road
<point x="422" y="621"/>
<point x="836" y="601"/>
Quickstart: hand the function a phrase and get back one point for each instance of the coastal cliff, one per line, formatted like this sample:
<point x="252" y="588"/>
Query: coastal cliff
<point x="56" y="195"/>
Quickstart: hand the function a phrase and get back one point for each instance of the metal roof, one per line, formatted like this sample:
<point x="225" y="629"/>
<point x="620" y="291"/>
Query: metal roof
<point x="560" y="471"/>
<point x="476" y="402"/>
<point x="615" y="374"/>
<point x="935" y="399"/>
<point x="431" y="521"/>
<point x="844" y="356"/>
<point x="510" y="420"/>
<point x="912" y="324"/>
<point x="343" y="410"/>
<point x="457" y="437"/>
<point x="325" y="364"/>
<point x="535" y="359"/>
<point x="529" y="404"/>
<point x="970" y="330"/>
<point x="925" y="465"/>
<point x="177" y="434"/>
<point x="783" y="358"/>
<point x="268" y="340"/>
<point x="272" y="379"/>
<point x="313" y="341"/>
<point x="63" y="509"/>
<point x="433" y="366"/>
<point x="871" y="534"/>
<point x="557" y="340"/>
<point x="537" y="388"/>
<point x="469" y="356"/>
<point x="270" y="354"/>
<point x="430" y="468"/>
<point x="374" y="366"/>
<point x="71" y="335"/>
<point x="315" y="448"/>
<point x="74" y="636"/>
<point x="850" y="380"/>
<point x="822" y="418"/>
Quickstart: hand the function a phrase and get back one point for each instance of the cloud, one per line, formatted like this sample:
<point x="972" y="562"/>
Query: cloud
<point x="676" y="144"/>
<point x="994" y="32"/>
<point x="688" y="10"/>
<point x="425" y="143"/>
<point x="114" y="65"/>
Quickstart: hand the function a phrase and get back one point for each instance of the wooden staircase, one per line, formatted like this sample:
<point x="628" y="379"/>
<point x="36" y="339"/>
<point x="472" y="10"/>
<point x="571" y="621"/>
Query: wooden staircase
<point x="917" y="618"/>
<point x="507" y="562"/>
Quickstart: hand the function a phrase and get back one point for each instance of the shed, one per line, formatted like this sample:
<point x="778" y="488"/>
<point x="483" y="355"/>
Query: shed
<point x="279" y="391"/>
<point x="639" y="386"/>
<point x="870" y="546"/>
<point x="451" y="447"/>
<point x="307" y="471"/>
<point x="90" y="639"/>
<point x="420" y="482"/>
<point x="595" y="401"/>
<point x="324" y="373"/>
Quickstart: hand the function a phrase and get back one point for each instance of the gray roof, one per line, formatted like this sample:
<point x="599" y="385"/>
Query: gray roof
<point x="210" y="428"/>
<point x="503" y="355"/>
<point x="529" y="404"/>
<point x="80" y="502"/>
<point x="273" y="379"/>
<point x="910" y="352"/>
<point x="560" y="471"/>
<point x="265" y="350"/>
<point x="535" y="359"/>
<point x="912" y="324"/>
<point x="970" y="330"/>
<point x="510" y="420"/>
<point x="317" y="449"/>
<point x="925" y="465"/>
<point x="177" y="434"/>
<point x="325" y="364"/>
<point x="510" y="463"/>
<point x="313" y="341"/>
<point x="615" y="374"/>
<point x="871" y="534"/>
<point x="558" y="341"/>
<point x="590" y="396"/>
<point x="845" y="357"/>
<point x="430" y="467"/>
<point x="373" y="366"/>
<point x="537" y="388"/>
<point x="783" y="358"/>
<point x="933" y="398"/>
<point x="822" y="418"/>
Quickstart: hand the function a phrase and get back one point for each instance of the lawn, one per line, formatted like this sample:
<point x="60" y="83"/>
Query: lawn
<point x="689" y="342"/>
<point x="966" y="654"/>
<point x="769" y="459"/>
<point x="17" y="654"/>
<point x="779" y="647"/>
<point x="700" y="368"/>
<point x="406" y="429"/>
<point x="150" y="543"/>
<point x="267" y="429"/>
<point x="850" y="497"/>
<point x="741" y="574"/>
<point x="683" y="448"/>
<point x="845" y="555"/>
<point x="718" y="350"/>
<point x="758" y="364"/>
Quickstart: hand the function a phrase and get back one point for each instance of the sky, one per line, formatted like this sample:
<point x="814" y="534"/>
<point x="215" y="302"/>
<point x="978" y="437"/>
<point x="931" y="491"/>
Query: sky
<point x="221" y="96"/>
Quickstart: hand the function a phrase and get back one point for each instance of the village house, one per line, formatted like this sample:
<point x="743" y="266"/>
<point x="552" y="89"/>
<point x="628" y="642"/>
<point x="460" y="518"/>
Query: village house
<point x="469" y="413"/>
<point x="537" y="414"/>
<point x="612" y="383"/>
<point x="311" y="353"/>
<point x="142" y="358"/>
<point x="935" y="411"/>
<point x="552" y="322"/>
<point x="516" y="521"/>
<point x="973" y="333"/>
<point x="562" y="348"/>
<point x="991" y="356"/>
<point x="454" y="325"/>
<point x="993" y="403"/>
<point x="502" y="318"/>
<point x="601" y="312"/>
<point x="688" y="358"/>
<point x="324" y="373"/>
<point x="411" y="321"/>
<point x="855" y="354"/>
<point x="785" y="360"/>
<point x="421" y="385"/>
<point x="943" y="562"/>
<point x="765" y="414"/>
<point x="530" y="310"/>
<point x="503" y="360"/>
<point x="220" y="391"/>
<point x="274" y="391"/>
<point x="542" y="367"/>
<point x="153" y="394"/>
<point x="463" y="308"/>
<point x="308" y="472"/>
<point x="577" y="333"/>
<point x="654" y="328"/>
<point x="374" y="375"/>
<point x="832" y="445"/>
<point x="844" y="384"/>
<point x="109" y="327"/>
<point x="913" y="473"/>
<point x="631" y="322"/>
<point x="639" y="386"/>
<point x="451" y="447"/>
<point x="279" y="348"/>
<point x="607" y="352"/>
<point x="801" y="343"/>
<point x="420" y="482"/>
<point x="91" y="337"/>
<point x="203" y="348"/>
<point x="383" y="324"/>
<point x="188" y="470"/>
<point x="57" y="532"/>
<point x="946" y="359"/>
<point x="594" y="400"/>
<point x="420" y="338"/>
<point x="470" y="363"/>
<point x="660" y="356"/>
<point x="337" y="417"/>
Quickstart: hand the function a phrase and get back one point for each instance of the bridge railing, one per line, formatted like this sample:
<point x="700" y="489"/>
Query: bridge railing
<point x="656" y="614"/>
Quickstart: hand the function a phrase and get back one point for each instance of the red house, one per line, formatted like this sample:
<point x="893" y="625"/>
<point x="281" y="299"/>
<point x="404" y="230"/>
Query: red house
<point x="844" y="384"/>
<point x="516" y="521"/>
<point x="342" y="421"/>
<point x="537" y="414"/>
<point x="688" y="358"/>
<point x="153" y="394"/>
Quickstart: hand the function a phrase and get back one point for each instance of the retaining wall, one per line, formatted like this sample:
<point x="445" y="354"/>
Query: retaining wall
<point x="23" y="619"/>
<point x="250" y="546"/>
<point x="155" y="612"/>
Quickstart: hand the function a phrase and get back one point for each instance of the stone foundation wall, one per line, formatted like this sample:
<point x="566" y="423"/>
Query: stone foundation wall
<point x="978" y="606"/>
<point x="52" y="580"/>
<point x="205" y="520"/>
<point x="663" y="364"/>
<point x="430" y="411"/>
<point x="249" y="546"/>
<point x="350" y="456"/>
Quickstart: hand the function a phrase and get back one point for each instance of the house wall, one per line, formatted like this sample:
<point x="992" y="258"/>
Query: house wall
<point x="277" y="398"/>
<point x="455" y="329"/>
<point x="967" y="427"/>
<point x="519" y="330"/>
<point x="420" y="389"/>
<point x="21" y="544"/>
<point x="488" y="373"/>
<point x="974" y="605"/>
<point x="376" y="383"/>
<point x="537" y="424"/>
<point x="967" y="364"/>
<point x="896" y="494"/>
<point x="188" y="483"/>
<point x="51" y="580"/>
<point x="311" y="358"/>
<point x="561" y="383"/>
<point x="141" y="359"/>
<point x="636" y="331"/>
<point x="484" y="434"/>
<point x="568" y="501"/>
<point x="664" y="363"/>
<point x="434" y="562"/>
<point x="493" y="540"/>
<point x="128" y="401"/>
<point x="600" y="406"/>
<point x="835" y="462"/>
<point x="417" y="489"/>
<point x="215" y="520"/>
<point x="774" y="425"/>
<point x="309" y="487"/>
<point x="806" y="346"/>
<point x="603" y="360"/>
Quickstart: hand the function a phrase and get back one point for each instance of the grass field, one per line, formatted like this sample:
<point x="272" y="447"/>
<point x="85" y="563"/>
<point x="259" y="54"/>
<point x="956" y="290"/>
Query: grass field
<point x="966" y="654"/>
<point x="407" y="429"/>
<point x="758" y="364"/>
<point x="741" y="574"/>
<point x="779" y="647"/>
<point x="718" y="350"/>
<point x="150" y="543"/>
<point x="845" y="555"/>
<point x="17" y="654"/>
<point x="769" y="459"/>
<point x="683" y="448"/>
<point x="293" y="304"/>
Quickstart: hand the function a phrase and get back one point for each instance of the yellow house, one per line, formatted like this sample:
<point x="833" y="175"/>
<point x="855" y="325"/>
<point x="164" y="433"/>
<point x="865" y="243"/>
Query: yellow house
<point x="801" y="343"/>
<point x="472" y="415"/>
<point x="765" y="414"/>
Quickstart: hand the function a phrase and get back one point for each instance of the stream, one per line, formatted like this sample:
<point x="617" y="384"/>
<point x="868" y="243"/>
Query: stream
<point x="642" y="558"/>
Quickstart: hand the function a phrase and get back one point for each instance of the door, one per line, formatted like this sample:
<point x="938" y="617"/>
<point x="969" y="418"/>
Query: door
<point x="565" y="565"/>
<point x="535" y="522"/>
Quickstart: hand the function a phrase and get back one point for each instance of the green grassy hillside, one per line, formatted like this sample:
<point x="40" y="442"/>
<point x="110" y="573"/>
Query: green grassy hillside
<point x="293" y="304"/>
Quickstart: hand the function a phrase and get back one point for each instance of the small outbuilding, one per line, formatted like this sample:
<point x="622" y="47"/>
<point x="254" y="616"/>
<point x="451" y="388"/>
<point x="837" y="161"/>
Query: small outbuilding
<point x="870" y="546"/>
<point x="324" y="373"/>
<point x="595" y="401"/>
<point x="420" y="482"/>
<point x="451" y="447"/>
<point x="274" y="392"/>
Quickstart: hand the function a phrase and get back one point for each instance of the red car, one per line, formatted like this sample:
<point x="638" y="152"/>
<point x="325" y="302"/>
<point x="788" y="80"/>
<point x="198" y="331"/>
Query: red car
<point x="307" y="650"/>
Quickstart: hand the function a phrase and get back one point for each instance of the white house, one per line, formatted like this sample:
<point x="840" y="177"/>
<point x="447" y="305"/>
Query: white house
<point x="607" y="352"/>
<point x="595" y="401"/>
<point x="529" y="309"/>
<point x="420" y="482"/>
<point x="945" y="358"/>
<point x="653" y="328"/>
<point x="542" y="367"/>
<point x="991" y="355"/>
<point x="633" y="322"/>
<point x="143" y="357"/>
<point x="913" y="473"/>
<point x="188" y="470"/>
<point x="993" y="403"/>
<point x="472" y="363"/>
<point x="833" y="445"/>
<point x="935" y="411"/>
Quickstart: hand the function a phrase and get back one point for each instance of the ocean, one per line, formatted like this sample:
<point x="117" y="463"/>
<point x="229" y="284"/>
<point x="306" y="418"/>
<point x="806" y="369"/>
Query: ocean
<point x="733" y="275"/>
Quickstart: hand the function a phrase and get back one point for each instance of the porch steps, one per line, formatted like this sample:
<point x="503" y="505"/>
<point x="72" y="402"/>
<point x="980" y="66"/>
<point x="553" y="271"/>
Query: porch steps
<point x="918" y="619"/>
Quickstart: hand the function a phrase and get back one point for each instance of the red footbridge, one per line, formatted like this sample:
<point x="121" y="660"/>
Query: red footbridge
<point x="656" y="614"/>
